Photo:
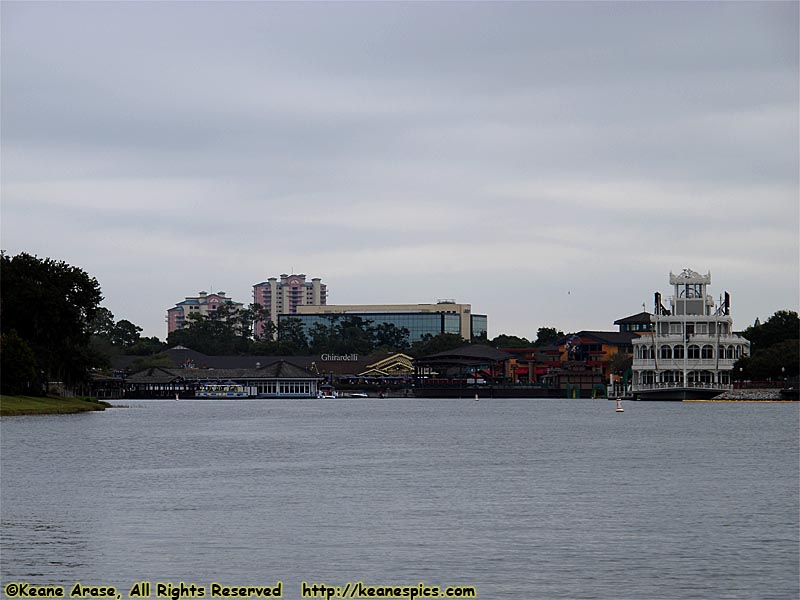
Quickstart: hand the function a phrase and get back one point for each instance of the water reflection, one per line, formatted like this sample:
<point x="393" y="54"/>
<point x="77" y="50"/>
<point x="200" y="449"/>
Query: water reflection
<point x="43" y="550"/>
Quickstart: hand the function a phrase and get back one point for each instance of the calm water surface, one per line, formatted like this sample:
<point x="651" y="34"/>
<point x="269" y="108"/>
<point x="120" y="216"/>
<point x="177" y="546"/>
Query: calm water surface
<point x="520" y="498"/>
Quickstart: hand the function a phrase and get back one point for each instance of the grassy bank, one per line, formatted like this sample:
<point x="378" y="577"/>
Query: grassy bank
<point x="32" y="405"/>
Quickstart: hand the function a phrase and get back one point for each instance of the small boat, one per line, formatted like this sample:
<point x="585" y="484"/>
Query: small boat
<point x="221" y="390"/>
<point x="327" y="392"/>
<point x="619" y="405"/>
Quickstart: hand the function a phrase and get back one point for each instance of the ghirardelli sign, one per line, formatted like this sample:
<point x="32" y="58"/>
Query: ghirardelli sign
<point x="339" y="357"/>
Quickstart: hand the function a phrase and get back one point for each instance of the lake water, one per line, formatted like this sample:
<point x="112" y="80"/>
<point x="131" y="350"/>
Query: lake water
<point x="518" y="498"/>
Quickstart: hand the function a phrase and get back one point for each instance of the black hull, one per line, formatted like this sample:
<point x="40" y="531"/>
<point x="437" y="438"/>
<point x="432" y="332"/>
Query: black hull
<point x="678" y="394"/>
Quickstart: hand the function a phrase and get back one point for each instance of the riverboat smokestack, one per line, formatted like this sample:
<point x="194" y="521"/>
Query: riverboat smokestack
<point x="660" y="309"/>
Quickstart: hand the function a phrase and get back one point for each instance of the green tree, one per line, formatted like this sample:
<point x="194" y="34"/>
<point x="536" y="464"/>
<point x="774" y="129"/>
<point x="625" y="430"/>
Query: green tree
<point x="109" y="338"/>
<point x="430" y="344"/>
<point x="225" y="331"/>
<point x="390" y="337"/>
<point x="355" y="335"/>
<point x="619" y="363"/>
<point x="247" y="319"/>
<point x="101" y="352"/>
<point x="125" y="334"/>
<point x="783" y="325"/>
<point x="292" y="338"/>
<point x="322" y="338"/>
<point x="154" y="360"/>
<point x="547" y="335"/>
<point x="510" y="341"/>
<point x="51" y="305"/>
<point x="773" y="349"/>
<point x="102" y="324"/>
<point x="347" y="334"/>
<point x="146" y="347"/>
<point x="18" y="365"/>
<point x="205" y="334"/>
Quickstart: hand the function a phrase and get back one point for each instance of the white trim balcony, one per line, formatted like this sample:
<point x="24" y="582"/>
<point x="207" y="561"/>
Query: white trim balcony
<point x="700" y="385"/>
<point x="677" y="364"/>
<point x="694" y="338"/>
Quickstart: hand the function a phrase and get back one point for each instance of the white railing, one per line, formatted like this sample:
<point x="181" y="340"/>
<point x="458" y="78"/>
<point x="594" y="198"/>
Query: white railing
<point x="677" y="364"/>
<point x="670" y="385"/>
<point x="694" y="338"/>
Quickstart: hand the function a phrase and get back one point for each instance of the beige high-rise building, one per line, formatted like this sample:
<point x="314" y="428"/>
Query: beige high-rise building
<point x="285" y="296"/>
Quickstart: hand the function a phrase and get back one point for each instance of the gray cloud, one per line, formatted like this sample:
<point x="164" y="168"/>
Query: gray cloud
<point x="575" y="152"/>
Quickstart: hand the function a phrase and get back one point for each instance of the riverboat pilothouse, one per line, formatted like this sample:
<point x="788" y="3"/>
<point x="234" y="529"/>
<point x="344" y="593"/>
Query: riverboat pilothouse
<point x="690" y="350"/>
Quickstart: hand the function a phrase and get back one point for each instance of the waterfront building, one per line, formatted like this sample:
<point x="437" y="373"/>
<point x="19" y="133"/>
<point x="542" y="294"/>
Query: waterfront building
<point x="396" y="364"/>
<point x="203" y="304"/>
<point x="691" y="348"/>
<point x="285" y="296"/>
<point x="278" y="379"/>
<point x="262" y="376"/>
<point x="446" y="316"/>
<point x="638" y="323"/>
<point x="583" y="362"/>
<point x="472" y="370"/>
<point x="577" y="365"/>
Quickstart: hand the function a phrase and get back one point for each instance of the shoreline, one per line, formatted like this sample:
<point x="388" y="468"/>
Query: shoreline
<point x="753" y="395"/>
<point x="15" y="406"/>
<point x="774" y="401"/>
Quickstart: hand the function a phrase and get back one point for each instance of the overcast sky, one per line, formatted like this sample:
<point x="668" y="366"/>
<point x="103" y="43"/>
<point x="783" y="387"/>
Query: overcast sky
<point x="549" y="163"/>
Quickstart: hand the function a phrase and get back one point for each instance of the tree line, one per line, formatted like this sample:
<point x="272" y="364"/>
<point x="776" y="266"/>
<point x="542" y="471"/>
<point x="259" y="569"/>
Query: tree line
<point x="53" y="328"/>
<point x="228" y="332"/>
<point x="774" y="349"/>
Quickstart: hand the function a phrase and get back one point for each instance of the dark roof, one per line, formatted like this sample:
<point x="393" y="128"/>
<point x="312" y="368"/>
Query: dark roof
<point x="469" y="354"/>
<point x="642" y="317"/>
<point x="276" y="370"/>
<point x="155" y="375"/>
<point x="608" y="337"/>
<point x="283" y="370"/>
<point x="181" y="356"/>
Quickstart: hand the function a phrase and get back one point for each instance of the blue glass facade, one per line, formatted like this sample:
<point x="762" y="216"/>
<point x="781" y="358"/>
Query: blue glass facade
<point x="480" y="325"/>
<point x="418" y="324"/>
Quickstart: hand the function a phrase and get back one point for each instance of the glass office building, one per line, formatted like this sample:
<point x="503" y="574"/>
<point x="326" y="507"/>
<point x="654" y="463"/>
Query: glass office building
<point x="479" y="326"/>
<point x="418" y="324"/>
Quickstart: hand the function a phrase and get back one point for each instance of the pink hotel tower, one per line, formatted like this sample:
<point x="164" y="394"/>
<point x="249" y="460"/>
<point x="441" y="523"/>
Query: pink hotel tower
<point x="284" y="296"/>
